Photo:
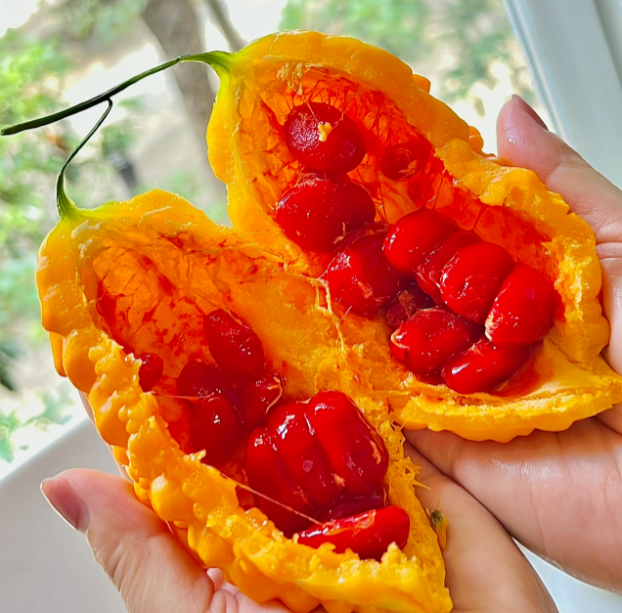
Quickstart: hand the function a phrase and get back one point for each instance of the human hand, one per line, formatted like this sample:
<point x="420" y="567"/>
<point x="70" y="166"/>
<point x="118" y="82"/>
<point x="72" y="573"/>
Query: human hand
<point x="560" y="494"/>
<point x="486" y="572"/>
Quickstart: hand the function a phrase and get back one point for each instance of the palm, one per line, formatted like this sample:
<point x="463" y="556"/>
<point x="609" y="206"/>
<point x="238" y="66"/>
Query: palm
<point x="558" y="493"/>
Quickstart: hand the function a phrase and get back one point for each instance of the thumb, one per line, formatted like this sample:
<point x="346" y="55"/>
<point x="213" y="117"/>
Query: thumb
<point x="524" y="140"/>
<point x="146" y="563"/>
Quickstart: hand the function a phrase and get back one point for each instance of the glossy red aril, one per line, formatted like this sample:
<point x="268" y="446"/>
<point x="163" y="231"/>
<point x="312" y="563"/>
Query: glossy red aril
<point x="320" y="210"/>
<point x="414" y="236"/>
<point x="426" y="341"/>
<point x="355" y="451"/>
<point x="268" y="475"/>
<point x="368" y="534"/>
<point x="522" y="312"/>
<point x="150" y="370"/>
<point x="232" y="343"/>
<point x="257" y="396"/>
<point x="400" y="162"/>
<point x="472" y="278"/>
<point x="301" y="454"/>
<point x="199" y="379"/>
<point x="215" y="427"/>
<point x="406" y="304"/>
<point x="430" y="268"/>
<point x="360" y="278"/>
<point x="346" y="506"/>
<point x="323" y="138"/>
<point x="483" y="366"/>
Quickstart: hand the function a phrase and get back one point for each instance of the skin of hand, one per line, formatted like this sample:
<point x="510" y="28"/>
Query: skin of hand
<point x="486" y="572"/>
<point x="560" y="494"/>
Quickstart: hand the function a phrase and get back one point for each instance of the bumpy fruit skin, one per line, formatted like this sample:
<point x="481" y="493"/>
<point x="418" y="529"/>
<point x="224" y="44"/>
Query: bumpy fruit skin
<point x="185" y="266"/>
<point x="511" y="207"/>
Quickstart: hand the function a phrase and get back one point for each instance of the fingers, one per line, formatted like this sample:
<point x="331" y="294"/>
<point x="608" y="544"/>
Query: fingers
<point x="486" y="572"/>
<point x="559" y="494"/>
<point x="524" y="141"/>
<point x="146" y="563"/>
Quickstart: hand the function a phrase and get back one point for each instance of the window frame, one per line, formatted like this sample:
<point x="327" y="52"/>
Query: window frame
<point x="574" y="49"/>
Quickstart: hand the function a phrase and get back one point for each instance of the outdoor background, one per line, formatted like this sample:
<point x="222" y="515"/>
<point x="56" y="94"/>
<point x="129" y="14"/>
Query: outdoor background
<point x="56" y="53"/>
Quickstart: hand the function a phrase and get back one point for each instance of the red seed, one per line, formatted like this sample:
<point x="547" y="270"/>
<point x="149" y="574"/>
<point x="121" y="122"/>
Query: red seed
<point x="215" y="427"/>
<point x="400" y="162"/>
<point x="355" y="451"/>
<point x="268" y="474"/>
<point x="233" y="344"/>
<point x="407" y="303"/>
<point x="426" y="341"/>
<point x="472" y="278"/>
<point x="302" y="456"/>
<point x="319" y="211"/>
<point x="483" y="366"/>
<point x="368" y="534"/>
<point x="360" y="278"/>
<point x="347" y="506"/>
<point x="257" y="397"/>
<point x="522" y="312"/>
<point x="430" y="268"/>
<point x="413" y="237"/>
<point x="323" y="138"/>
<point x="199" y="379"/>
<point x="150" y="370"/>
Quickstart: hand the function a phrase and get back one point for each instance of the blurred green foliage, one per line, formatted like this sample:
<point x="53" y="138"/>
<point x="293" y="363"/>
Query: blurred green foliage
<point x="104" y="20"/>
<point x="468" y="36"/>
<point x="30" y="78"/>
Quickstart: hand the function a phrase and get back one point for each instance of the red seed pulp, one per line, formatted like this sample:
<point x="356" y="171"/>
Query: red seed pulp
<point x="323" y="138"/>
<point x="413" y="237"/>
<point x="257" y="396"/>
<point x="406" y="304"/>
<point x="360" y="278"/>
<point x="302" y="454"/>
<point x="150" y="370"/>
<point x="233" y="344"/>
<point x="483" y="366"/>
<point x="429" y="270"/>
<point x="215" y="427"/>
<point x="268" y="474"/>
<point x="472" y="278"/>
<point x="321" y="458"/>
<point x="368" y="534"/>
<point x="402" y="161"/>
<point x="426" y="341"/>
<point x="356" y="452"/>
<point x="522" y="312"/>
<point x="199" y="379"/>
<point x="320" y="210"/>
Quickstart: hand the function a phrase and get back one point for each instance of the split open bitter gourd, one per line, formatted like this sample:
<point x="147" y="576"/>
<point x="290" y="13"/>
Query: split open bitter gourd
<point x="381" y="269"/>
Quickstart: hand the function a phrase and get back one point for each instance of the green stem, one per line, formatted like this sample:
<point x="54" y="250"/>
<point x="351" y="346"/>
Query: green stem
<point x="66" y="207"/>
<point x="219" y="60"/>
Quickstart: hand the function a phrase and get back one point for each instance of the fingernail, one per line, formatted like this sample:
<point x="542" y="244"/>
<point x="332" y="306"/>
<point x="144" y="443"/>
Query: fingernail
<point x="66" y="502"/>
<point x="529" y="110"/>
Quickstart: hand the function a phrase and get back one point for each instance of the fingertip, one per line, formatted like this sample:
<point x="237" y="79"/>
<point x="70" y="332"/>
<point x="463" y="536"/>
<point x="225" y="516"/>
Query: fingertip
<point x="66" y="502"/>
<point x="521" y="133"/>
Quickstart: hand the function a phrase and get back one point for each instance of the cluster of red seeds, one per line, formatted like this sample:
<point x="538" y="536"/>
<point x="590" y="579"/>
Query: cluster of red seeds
<point x="465" y="313"/>
<point x="315" y="460"/>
